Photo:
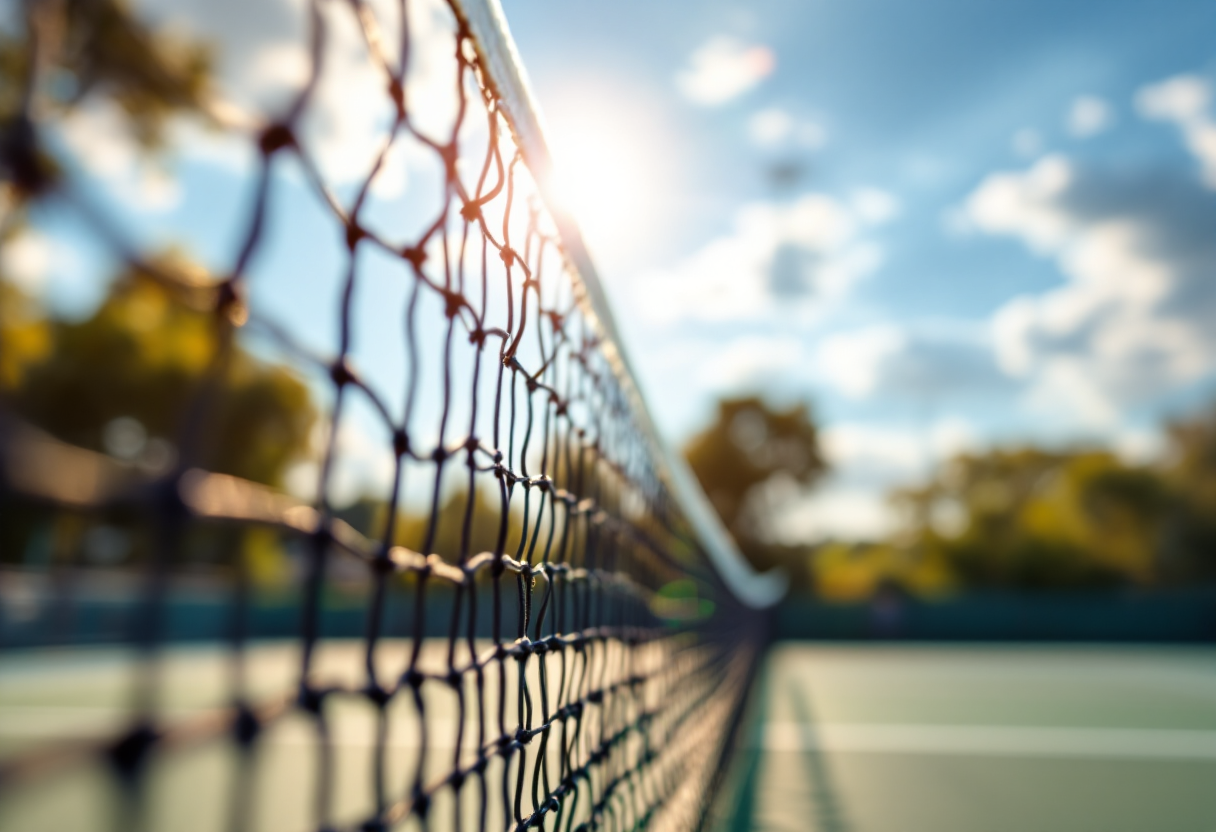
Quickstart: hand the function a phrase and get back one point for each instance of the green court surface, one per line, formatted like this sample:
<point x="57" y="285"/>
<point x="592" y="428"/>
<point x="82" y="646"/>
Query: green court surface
<point x="981" y="739"/>
<point x="55" y="697"/>
<point x="845" y="739"/>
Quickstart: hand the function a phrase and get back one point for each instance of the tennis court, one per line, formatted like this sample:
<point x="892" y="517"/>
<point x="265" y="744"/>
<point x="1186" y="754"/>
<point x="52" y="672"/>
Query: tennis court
<point x="904" y="739"/>
<point x="54" y="699"/>
<point x="867" y="739"/>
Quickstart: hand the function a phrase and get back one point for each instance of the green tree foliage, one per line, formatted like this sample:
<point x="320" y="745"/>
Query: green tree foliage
<point x="123" y="380"/>
<point x="98" y="46"/>
<point x="24" y="334"/>
<point x="1190" y="473"/>
<point x="749" y="449"/>
<point x="1033" y="519"/>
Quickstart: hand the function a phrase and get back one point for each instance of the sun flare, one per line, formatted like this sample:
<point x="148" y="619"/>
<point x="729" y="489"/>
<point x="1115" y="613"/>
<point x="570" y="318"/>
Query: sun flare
<point x="600" y="177"/>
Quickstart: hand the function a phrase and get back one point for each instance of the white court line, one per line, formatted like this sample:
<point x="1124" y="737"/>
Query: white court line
<point x="995" y="740"/>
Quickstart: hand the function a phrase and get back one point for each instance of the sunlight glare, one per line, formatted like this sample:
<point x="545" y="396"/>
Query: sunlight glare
<point x="600" y="176"/>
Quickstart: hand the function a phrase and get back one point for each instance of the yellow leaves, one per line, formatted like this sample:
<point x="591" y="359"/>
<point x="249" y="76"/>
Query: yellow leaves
<point x="25" y="336"/>
<point x="266" y="561"/>
<point x="169" y="337"/>
<point x="851" y="572"/>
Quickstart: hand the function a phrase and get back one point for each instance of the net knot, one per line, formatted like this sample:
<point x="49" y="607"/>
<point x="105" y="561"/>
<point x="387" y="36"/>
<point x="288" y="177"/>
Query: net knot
<point x="341" y="373"/>
<point x="508" y="256"/>
<point x="401" y="442"/>
<point x="471" y="211"/>
<point x="478" y="337"/>
<point x="414" y="678"/>
<point x="416" y="255"/>
<point x="376" y="694"/>
<point x="246" y="726"/>
<point x="228" y="303"/>
<point x="130" y="753"/>
<point x="354" y="233"/>
<point x="382" y="563"/>
<point x="274" y="138"/>
<point x="20" y="156"/>
<point x="310" y="698"/>
<point x="452" y="301"/>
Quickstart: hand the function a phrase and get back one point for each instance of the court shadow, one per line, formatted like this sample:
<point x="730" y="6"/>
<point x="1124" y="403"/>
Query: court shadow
<point x="829" y="811"/>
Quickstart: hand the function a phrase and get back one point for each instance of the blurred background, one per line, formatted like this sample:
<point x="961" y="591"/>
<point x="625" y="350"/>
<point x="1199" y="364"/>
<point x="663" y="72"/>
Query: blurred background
<point x="925" y="292"/>
<point x="928" y="289"/>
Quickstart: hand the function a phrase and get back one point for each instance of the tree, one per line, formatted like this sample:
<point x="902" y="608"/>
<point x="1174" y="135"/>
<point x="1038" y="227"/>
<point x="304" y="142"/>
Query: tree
<point x="124" y="380"/>
<point x="747" y="460"/>
<point x="1031" y="519"/>
<point x="1190" y="471"/>
<point x="98" y="46"/>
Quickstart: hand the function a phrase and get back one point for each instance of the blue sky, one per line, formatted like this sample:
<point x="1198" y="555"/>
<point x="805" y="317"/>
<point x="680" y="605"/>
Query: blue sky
<point x="995" y="223"/>
<point x="1001" y="228"/>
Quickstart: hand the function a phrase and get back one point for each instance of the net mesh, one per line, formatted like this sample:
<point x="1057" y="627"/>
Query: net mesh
<point x="525" y="632"/>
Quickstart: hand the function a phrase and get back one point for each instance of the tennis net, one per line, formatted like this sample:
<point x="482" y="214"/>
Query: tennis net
<point x="533" y="621"/>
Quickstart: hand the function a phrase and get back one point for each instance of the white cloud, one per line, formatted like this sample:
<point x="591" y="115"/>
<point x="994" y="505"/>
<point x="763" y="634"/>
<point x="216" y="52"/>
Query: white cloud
<point x="874" y="206"/>
<point x="1089" y="116"/>
<point x="864" y="450"/>
<point x="1181" y="99"/>
<point x="837" y="511"/>
<point x="724" y="68"/>
<point x="868" y="461"/>
<point x="771" y="126"/>
<point x="1184" y="100"/>
<point x="790" y="257"/>
<point x="97" y="135"/>
<point x="1025" y="204"/>
<point x="749" y="361"/>
<point x="850" y="361"/>
<point x="1133" y="318"/>
<point x="1026" y="142"/>
<point x="26" y="260"/>
<point x="903" y="364"/>
<point x="262" y="61"/>
<point x="1140" y="446"/>
<point x="774" y="127"/>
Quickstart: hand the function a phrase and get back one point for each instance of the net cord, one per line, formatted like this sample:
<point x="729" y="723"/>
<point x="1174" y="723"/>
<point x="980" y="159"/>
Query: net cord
<point x="496" y="48"/>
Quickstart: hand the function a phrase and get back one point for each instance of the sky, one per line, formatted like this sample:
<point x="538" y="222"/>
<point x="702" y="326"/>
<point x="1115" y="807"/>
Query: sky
<point x="945" y="225"/>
